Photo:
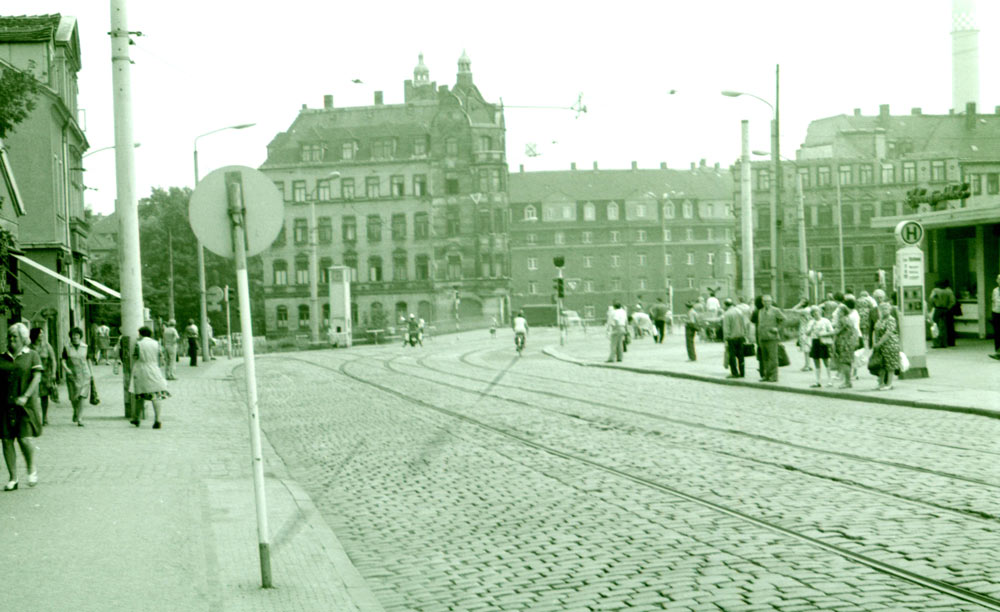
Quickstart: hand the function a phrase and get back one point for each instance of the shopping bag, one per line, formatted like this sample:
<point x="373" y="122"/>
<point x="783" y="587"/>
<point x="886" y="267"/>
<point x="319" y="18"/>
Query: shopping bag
<point x="904" y="363"/>
<point x="749" y="350"/>
<point x="875" y="363"/>
<point x="94" y="398"/>
<point x="861" y="357"/>
<point x="783" y="359"/>
<point x="935" y="332"/>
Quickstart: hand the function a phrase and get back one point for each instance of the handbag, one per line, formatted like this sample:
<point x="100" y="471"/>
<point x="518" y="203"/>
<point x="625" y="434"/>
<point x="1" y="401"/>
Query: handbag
<point x="749" y="350"/>
<point x="783" y="359"/>
<point x="875" y="363"/>
<point x="94" y="398"/>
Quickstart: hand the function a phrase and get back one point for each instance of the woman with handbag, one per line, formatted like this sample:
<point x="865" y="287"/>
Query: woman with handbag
<point x="76" y="366"/>
<point x="147" y="381"/>
<point x="47" y="387"/>
<point x="885" y="347"/>
<point x="20" y="414"/>
<point x="845" y="342"/>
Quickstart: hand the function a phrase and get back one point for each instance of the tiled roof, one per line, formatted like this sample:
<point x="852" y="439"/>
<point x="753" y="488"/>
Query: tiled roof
<point x="705" y="183"/>
<point x="24" y="28"/>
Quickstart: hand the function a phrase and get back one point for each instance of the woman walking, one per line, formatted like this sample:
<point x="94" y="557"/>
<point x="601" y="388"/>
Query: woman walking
<point x="804" y="314"/>
<point x="76" y="366"/>
<point x="885" y="345"/>
<point x="820" y="333"/>
<point x="147" y="382"/>
<point x="845" y="342"/>
<point x="47" y="387"/>
<point x="20" y="418"/>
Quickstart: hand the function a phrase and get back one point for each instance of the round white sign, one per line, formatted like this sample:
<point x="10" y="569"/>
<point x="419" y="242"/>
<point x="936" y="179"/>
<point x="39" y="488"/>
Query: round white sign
<point x="909" y="233"/>
<point x="208" y="210"/>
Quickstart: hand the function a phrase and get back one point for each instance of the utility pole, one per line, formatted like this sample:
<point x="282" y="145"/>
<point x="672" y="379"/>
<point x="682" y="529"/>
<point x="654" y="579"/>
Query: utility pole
<point x="126" y="205"/>
<point x="202" y="303"/>
<point x="746" y="214"/>
<point x="170" y="285"/>
<point x="801" y="218"/>
<point x="840" y="234"/>
<point x="776" y="213"/>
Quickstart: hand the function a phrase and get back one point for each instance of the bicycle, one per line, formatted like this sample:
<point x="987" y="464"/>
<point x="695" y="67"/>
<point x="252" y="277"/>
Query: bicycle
<point x="519" y="342"/>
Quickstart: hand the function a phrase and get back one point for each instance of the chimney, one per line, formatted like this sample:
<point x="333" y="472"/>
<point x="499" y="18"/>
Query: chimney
<point x="305" y="106"/>
<point x="635" y="166"/>
<point x="522" y="169"/>
<point x="378" y="98"/>
<point x="572" y="166"/>
<point x="717" y="166"/>
<point x="693" y="165"/>
<point x="964" y="54"/>
<point x="915" y="110"/>
<point x="328" y="101"/>
<point x="996" y="110"/>
<point x="663" y="165"/>
<point x="595" y="165"/>
<point x="701" y="163"/>
<point x="857" y="112"/>
<point x="883" y="114"/>
<point x="970" y="115"/>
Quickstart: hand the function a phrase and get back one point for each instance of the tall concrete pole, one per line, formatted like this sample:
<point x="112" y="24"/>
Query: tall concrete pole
<point x="126" y="205"/>
<point x="840" y="235"/>
<point x="803" y="253"/>
<point x="170" y="286"/>
<point x="202" y="304"/>
<point x="746" y="214"/>
<point x="777" y="218"/>
<point x="314" y="313"/>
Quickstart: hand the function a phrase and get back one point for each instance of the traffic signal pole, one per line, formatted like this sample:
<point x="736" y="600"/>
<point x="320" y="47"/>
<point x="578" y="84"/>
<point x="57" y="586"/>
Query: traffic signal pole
<point x="559" y="309"/>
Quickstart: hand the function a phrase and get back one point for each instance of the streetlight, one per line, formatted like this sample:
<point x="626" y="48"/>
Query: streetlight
<point x="661" y="201"/>
<point x="203" y="307"/>
<point x="801" y="218"/>
<point x="135" y="145"/>
<point x="776" y="188"/>
<point x="314" y="313"/>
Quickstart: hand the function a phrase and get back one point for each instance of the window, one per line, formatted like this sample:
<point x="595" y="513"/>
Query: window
<point x="825" y="257"/>
<point x="325" y="321"/>
<point x="909" y="172"/>
<point x="347" y="188"/>
<point x="451" y="147"/>
<point x="728" y="258"/>
<point x="399" y="227"/>
<point x="848" y="256"/>
<point x="422" y="270"/>
<point x="348" y="149"/>
<point x="301" y="270"/>
<point x="616" y="261"/>
<point x="642" y="283"/>
<point x="587" y="237"/>
<point x="451" y="185"/>
<point x="530" y="213"/>
<point x="688" y="210"/>
<point x="323" y="190"/>
<point x="397" y="186"/>
<point x="372" y="184"/>
<point x="532" y="263"/>
<point x="867" y="212"/>
<point x="616" y="284"/>
<point x="615" y="235"/>
<point x="281" y="188"/>
<point x="690" y="282"/>
<point x="641" y="259"/>
<point x="384" y="148"/>
<point x="640" y="210"/>
<point x="399" y="266"/>
<point x="888" y="174"/>
<point x="589" y="212"/>
<point x="324" y="231"/>
<point x="711" y="259"/>
<point x="349" y="229"/>
<point x="420" y="145"/>
<point x="804" y="174"/>
<point x="374" y="228"/>
<point x="888" y="255"/>
<point x="868" y="255"/>
<point x="375" y="269"/>
<point x="485" y="143"/>
<point x="709" y="211"/>
<point x="351" y="262"/>
<point x="668" y="210"/>
<point x="568" y="212"/>
<point x="667" y="259"/>
<point x="588" y="287"/>
<point x="666" y="235"/>
<point x="690" y="259"/>
<point x="993" y="183"/>
<point x="324" y="272"/>
<point x="823" y="176"/>
<point x="496" y="184"/>
<point x="641" y="237"/>
<point x="887" y="209"/>
<point x="560" y="238"/>
<point x="530" y="238"/>
<point x="710" y="233"/>
<point x="612" y="212"/>
<point x="301" y="232"/>
<point x="844" y="175"/>
<point x="280" y="240"/>
<point x="532" y="287"/>
<point x="763" y="180"/>
<point x="280" y="267"/>
<point x="825" y="216"/>
<point x="298" y="191"/>
<point x="689" y="234"/>
<point x="452" y="221"/>
<point x="846" y="214"/>
<point x="975" y="183"/>
<point x="419" y="184"/>
<point x="421" y="226"/>
<point x="303" y="316"/>
<point x="937" y="171"/>
<point x="312" y="152"/>
<point x="500" y="220"/>
<point x="588" y="261"/>
<point x="281" y="317"/>
<point x="454" y="267"/>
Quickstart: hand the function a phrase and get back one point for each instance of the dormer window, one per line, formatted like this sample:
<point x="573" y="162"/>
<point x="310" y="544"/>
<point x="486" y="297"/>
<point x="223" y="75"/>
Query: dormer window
<point x="348" y="149"/>
<point x="312" y="152"/>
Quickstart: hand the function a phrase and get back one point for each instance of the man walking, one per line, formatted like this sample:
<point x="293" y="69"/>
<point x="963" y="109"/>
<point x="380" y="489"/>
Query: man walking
<point x="103" y="334"/>
<point x="734" y="331"/>
<point x="170" y="340"/>
<point x="996" y="319"/>
<point x="691" y="330"/>
<point x="617" y="324"/>
<point x="191" y="333"/>
<point x="659" y="314"/>
<point x="769" y="322"/>
<point x="941" y="301"/>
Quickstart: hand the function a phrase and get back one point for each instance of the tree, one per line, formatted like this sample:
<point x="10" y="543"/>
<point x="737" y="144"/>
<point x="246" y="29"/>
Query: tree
<point x="17" y="97"/>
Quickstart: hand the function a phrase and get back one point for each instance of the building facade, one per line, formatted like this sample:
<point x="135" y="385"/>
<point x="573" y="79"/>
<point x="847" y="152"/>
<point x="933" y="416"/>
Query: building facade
<point x="45" y="153"/>
<point x="630" y="235"/>
<point x="411" y="197"/>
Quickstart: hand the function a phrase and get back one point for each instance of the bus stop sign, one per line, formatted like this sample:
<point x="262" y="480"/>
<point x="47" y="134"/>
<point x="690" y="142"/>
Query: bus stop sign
<point x="909" y="233"/>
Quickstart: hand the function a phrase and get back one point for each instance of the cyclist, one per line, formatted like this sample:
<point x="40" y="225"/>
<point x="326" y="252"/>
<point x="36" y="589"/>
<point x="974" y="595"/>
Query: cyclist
<point x="413" y="330"/>
<point x="520" y="330"/>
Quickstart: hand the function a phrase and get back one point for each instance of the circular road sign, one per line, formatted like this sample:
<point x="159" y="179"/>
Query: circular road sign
<point x="909" y="233"/>
<point x="214" y="294"/>
<point x="208" y="211"/>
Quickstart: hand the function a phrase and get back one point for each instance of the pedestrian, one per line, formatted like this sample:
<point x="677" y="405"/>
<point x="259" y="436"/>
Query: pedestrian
<point x="103" y="337"/>
<point x="20" y="413"/>
<point x="493" y="328"/>
<point x="845" y="342"/>
<point x="940" y="302"/>
<point x="803" y="312"/>
<point x="191" y="333"/>
<point x="617" y="329"/>
<point x="769" y="322"/>
<point x="210" y="335"/>
<point x="47" y="386"/>
<point x="734" y="331"/>
<point x="820" y="333"/>
<point x="658" y="312"/>
<point x="866" y="306"/>
<point x="170" y="340"/>
<point x="78" y="373"/>
<point x="995" y="301"/>
<point x="886" y="346"/>
<point x="147" y="382"/>
<point x="691" y="330"/>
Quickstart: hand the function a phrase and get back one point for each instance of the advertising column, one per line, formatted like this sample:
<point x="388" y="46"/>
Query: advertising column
<point x="910" y="284"/>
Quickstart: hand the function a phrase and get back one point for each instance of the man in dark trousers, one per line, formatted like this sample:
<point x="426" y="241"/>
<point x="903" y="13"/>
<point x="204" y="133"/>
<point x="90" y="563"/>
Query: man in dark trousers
<point x="769" y="322"/>
<point x="691" y="330"/>
<point x="734" y="331"/>
<point x="942" y="301"/>
<point x="659" y="314"/>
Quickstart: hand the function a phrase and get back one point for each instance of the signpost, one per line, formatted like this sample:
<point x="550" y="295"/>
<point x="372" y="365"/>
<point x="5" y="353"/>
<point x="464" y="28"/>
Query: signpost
<point x="910" y="282"/>
<point x="236" y="212"/>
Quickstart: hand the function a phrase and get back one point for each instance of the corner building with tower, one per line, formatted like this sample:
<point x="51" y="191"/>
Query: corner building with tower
<point x="411" y="198"/>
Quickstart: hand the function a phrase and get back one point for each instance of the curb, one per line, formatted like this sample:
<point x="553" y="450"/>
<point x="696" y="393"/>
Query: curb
<point x="553" y="352"/>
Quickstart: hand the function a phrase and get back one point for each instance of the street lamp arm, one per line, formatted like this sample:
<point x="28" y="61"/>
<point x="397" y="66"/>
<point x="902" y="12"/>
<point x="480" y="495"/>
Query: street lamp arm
<point x="736" y="94"/>
<point x="222" y="129"/>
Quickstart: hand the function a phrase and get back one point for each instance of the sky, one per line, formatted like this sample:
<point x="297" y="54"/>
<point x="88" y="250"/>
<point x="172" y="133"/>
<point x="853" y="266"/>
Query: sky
<point x="650" y="73"/>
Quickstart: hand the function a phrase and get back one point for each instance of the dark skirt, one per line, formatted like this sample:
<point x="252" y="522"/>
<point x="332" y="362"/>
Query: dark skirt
<point x="819" y="350"/>
<point x="20" y="421"/>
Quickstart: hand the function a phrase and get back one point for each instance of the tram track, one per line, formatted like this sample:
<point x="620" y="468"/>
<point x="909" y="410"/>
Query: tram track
<point x="924" y="581"/>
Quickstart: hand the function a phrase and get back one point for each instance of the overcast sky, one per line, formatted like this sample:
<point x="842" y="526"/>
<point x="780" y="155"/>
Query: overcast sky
<point x="212" y="63"/>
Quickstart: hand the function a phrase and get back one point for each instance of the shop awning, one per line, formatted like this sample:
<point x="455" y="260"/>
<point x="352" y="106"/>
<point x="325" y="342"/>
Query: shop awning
<point x="103" y="288"/>
<point x="54" y="274"/>
<point x="954" y="217"/>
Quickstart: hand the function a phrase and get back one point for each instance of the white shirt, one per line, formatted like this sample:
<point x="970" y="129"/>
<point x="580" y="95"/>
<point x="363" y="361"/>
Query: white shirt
<point x="855" y="319"/>
<point x="520" y="325"/>
<point x="996" y="301"/>
<point x="712" y="304"/>
<point x="619" y="318"/>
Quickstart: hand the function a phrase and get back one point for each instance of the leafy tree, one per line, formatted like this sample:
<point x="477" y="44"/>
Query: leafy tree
<point x="17" y="97"/>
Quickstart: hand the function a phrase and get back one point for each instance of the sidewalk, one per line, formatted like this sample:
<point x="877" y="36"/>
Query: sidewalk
<point x="962" y="378"/>
<point x="142" y="519"/>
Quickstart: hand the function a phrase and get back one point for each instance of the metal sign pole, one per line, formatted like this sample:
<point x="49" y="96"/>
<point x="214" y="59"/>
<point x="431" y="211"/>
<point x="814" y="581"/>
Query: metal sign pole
<point x="234" y="192"/>
<point x="229" y="332"/>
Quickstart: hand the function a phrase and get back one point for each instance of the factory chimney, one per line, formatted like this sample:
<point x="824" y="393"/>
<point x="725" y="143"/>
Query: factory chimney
<point x="964" y="55"/>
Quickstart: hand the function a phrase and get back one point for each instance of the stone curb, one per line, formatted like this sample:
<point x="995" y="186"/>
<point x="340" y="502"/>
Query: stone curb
<point x="551" y="351"/>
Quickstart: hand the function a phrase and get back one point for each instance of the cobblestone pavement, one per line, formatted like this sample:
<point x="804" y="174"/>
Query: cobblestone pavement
<point x="438" y="513"/>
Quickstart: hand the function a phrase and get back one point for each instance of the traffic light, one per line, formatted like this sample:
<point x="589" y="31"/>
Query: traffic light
<point x="557" y="284"/>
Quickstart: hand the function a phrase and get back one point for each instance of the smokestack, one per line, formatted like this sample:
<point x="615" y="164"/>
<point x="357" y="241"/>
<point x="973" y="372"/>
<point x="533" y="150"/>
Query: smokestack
<point x="522" y="168"/>
<point x="663" y="165"/>
<point x="970" y="115"/>
<point x="328" y="101"/>
<point x="964" y="54"/>
<point x="635" y="165"/>
<point x="572" y="165"/>
<point x="378" y="98"/>
<point x="595" y="165"/>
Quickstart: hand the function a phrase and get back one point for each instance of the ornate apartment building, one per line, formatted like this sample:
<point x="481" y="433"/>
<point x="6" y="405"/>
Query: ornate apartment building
<point x="411" y="197"/>
<point x="624" y="235"/>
